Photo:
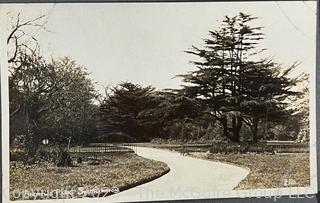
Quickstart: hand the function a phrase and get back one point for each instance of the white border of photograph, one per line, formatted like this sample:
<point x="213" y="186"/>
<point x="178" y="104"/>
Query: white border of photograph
<point x="293" y="192"/>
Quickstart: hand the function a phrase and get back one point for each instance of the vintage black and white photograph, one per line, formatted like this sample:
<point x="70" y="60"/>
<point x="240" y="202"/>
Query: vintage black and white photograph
<point x="127" y="102"/>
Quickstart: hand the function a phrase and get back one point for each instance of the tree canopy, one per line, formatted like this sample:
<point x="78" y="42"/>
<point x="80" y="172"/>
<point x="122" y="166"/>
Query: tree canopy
<point x="122" y="105"/>
<point x="48" y="98"/>
<point x="235" y="86"/>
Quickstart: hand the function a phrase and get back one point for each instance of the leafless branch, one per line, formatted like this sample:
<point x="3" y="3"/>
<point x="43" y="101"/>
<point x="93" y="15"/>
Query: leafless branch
<point x="27" y="23"/>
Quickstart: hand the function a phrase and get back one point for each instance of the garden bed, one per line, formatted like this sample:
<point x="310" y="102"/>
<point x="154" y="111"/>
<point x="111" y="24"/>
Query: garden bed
<point x="232" y="148"/>
<point x="118" y="172"/>
<point x="268" y="171"/>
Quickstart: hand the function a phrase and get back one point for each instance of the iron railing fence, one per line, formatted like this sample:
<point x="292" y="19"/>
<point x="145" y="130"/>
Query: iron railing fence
<point x="105" y="148"/>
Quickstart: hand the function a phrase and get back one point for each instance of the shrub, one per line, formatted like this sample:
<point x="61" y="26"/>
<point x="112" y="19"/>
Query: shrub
<point x="115" y="137"/>
<point x="64" y="159"/>
<point x="18" y="156"/>
<point x="159" y="141"/>
<point x="240" y="148"/>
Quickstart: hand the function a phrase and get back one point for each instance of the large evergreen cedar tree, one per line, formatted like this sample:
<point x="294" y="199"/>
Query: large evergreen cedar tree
<point x="121" y="107"/>
<point x="235" y="87"/>
<point x="172" y="108"/>
<point x="143" y="113"/>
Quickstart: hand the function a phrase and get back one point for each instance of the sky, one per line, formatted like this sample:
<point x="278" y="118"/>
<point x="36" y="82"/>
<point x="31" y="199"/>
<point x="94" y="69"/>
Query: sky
<point x="144" y="43"/>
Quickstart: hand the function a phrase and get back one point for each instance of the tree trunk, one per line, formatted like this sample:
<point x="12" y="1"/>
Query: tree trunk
<point x="254" y="130"/>
<point x="33" y="139"/>
<point x="232" y="133"/>
<point x="237" y="124"/>
<point x="182" y="130"/>
<point x="224" y="123"/>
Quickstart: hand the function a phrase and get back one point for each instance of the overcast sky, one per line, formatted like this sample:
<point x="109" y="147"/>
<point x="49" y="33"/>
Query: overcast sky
<point x="145" y="43"/>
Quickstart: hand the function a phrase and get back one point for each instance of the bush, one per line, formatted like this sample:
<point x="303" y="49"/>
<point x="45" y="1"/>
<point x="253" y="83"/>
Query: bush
<point x="64" y="159"/>
<point x="40" y="156"/>
<point x="56" y="156"/>
<point x="115" y="137"/>
<point x="240" y="148"/>
<point x="159" y="141"/>
<point x="79" y="160"/>
<point x="18" y="156"/>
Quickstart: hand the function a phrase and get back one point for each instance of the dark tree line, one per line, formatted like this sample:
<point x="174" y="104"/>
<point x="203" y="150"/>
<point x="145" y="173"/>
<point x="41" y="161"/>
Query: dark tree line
<point x="143" y="113"/>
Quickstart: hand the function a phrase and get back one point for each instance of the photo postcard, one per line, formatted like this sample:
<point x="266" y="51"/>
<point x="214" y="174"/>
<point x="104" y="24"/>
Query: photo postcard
<point x="130" y="102"/>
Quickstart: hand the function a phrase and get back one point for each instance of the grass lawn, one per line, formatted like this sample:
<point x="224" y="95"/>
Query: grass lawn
<point x="268" y="171"/>
<point x="122" y="171"/>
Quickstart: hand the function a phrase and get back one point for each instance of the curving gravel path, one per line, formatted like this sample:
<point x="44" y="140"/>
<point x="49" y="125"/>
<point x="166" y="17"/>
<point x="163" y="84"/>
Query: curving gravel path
<point x="189" y="178"/>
